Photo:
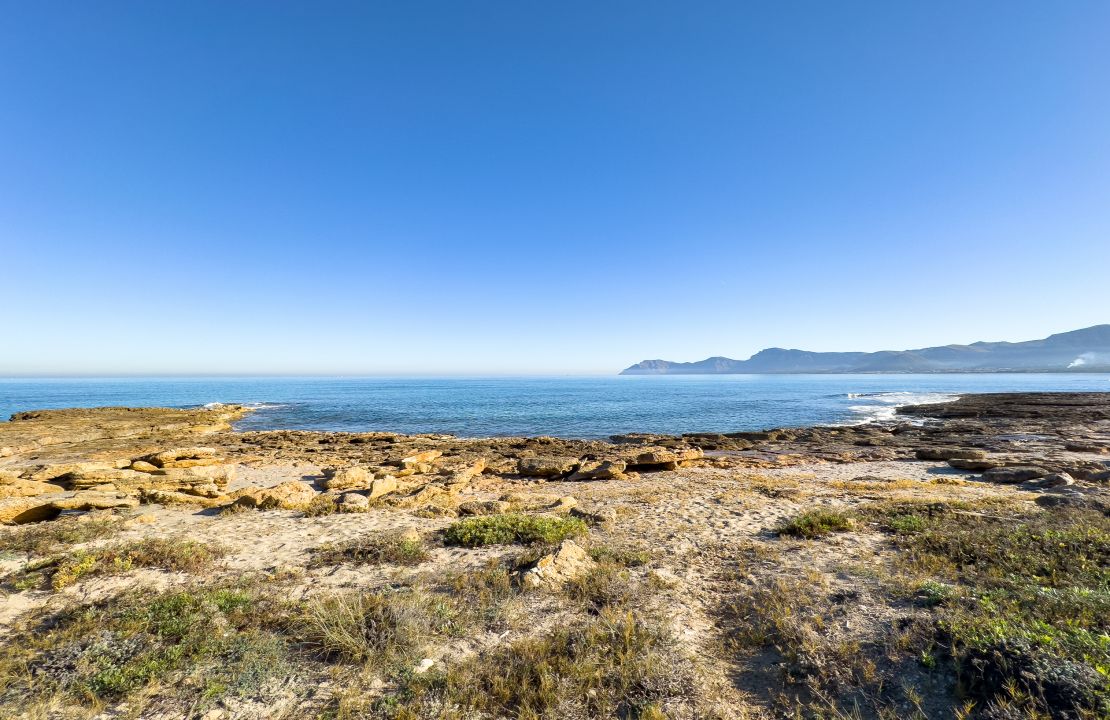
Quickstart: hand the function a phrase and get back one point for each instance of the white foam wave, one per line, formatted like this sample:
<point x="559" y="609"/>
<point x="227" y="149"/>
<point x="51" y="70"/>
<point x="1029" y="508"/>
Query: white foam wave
<point x="883" y="406"/>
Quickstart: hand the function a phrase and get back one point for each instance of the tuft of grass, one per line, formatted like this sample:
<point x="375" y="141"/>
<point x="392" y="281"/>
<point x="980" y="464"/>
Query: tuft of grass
<point x="213" y="643"/>
<point x="1023" y="604"/>
<point x="816" y="523"/>
<point x="164" y="553"/>
<point x="384" y="549"/>
<point x="627" y="557"/>
<point x="374" y="627"/>
<point x="44" y="538"/>
<point x="614" y="665"/>
<point x="512" y="528"/>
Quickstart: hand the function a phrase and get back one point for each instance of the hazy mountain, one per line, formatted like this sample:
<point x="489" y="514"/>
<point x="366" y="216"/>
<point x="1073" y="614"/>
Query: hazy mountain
<point x="1078" y="351"/>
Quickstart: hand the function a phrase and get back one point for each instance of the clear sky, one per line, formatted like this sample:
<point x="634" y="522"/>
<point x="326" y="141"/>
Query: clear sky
<point x="488" y="187"/>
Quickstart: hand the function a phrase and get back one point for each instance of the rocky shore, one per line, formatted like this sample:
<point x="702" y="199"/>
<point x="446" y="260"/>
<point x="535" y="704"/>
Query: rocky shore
<point x="689" y="530"/>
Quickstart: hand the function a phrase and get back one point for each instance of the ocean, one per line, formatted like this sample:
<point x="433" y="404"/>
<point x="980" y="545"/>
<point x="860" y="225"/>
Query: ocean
<point x="582" y="407"/>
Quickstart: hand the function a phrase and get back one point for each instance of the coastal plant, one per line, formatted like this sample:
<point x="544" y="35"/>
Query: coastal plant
<point x="381" y="549"/>
<point x="214" y="642"/>
<point x="380" y="627"/>
<point x="1023" y="604"/>
<point x="616" y="664"/>
<point x="43" y="538"/>
<point x="512" y="528"/>
<point x="816" y="523"/>
<point x="170" y="554"/>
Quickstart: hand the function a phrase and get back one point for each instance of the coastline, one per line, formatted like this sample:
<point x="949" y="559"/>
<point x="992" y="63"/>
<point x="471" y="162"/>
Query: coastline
<point x="697" y="537"/>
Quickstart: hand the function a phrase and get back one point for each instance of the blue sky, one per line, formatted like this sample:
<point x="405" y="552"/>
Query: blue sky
<point x="488" y="187"/>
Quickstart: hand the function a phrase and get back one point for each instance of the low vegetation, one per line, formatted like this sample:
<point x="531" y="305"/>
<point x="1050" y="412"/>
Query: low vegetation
<point x="816" y="523"/>
<point x="215" y="642"/>
<point x="512" y="528"/>
<point x="42" y="539"/>
<point x="381" y="549"/>
<point x="614" y="665"/>
<point x="171" y="554"/>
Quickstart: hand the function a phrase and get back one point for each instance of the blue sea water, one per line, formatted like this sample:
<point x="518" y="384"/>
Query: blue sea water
<point x="561" y="406"/>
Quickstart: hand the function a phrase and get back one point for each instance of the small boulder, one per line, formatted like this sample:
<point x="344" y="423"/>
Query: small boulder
<point x="483" y="507"/>
<point x="348" y="478"/>
<point x="597" y="516"/>
<point x="354" y="501"/>
<point x="182" y="457"/>
<point x="949" y="453"/>
<point x="291" y="495"/>
<point x="1012" y="475"/>
<point x="564" y="504"/>
<point x="1055" y="480"/>
<point x="383" y="486"/>
<point x="974" y="465"/>
<point x="546" y="467"/>
<point x="567" y="563"/>
<point x="666" y="458"/>
<point x="143" y="466"/>
<point x="420" y="459"/>
<point x="20" y="510"/>
<point x="599" y="470"/>
<point x="27" y="488"/>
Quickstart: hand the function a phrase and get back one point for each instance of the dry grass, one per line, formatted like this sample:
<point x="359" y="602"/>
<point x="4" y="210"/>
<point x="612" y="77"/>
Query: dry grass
<point x="44" y="538"/>
<point x="171" y="554"/>
<point x="380" y="549"/>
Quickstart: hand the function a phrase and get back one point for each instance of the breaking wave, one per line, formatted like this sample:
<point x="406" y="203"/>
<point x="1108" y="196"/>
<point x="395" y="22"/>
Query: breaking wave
<point x="879" y="406"/>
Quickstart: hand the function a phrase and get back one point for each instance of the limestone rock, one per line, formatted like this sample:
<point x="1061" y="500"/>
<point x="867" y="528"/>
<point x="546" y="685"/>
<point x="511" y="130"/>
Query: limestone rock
<point x="27" y="488"/>
<point x="291" y="495"/>
<point x="354" y="501"/>
<point x="173" y="497"/>
<point x="1087" y="447"/>
<point x="48" y="473"/>
<point x="596" y="516"/>
<point x="464" y="475"/>
<point x="599" y="470"/>
<point x="567" y="563"/>
<point x="483" y="507"/>
<point x="348" y="478"/>
<point x="949" y="453"/>
<point x="974" y="465"/>
<point x="564" y="504"/>
<point x="1010" y="475"/>
<point x="546" y="467"/>
<point x="666" y="458"/>
<point x="94" y="500"/>
<point x="1055" y="480"/>
<point x="420" y="459"/>
<point x="383" y="486"/>
<point x="182" y="457"/>
<point x="143" y="466"/>
<point x="20" y="510"/>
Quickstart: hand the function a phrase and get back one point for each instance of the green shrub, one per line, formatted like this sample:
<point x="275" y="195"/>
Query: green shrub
<point x="816" y="523"/>
<point x="384" y="549"/>
<point x="512" y="528"/>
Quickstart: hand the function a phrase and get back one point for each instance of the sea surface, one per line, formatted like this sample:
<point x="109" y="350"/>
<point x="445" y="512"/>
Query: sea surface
<point x="585" y="407"/>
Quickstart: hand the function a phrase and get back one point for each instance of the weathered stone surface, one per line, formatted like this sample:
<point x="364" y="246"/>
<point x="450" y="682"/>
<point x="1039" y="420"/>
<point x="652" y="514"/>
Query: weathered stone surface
<point x="1018" y="474"/>
<point x="182" y="457"/>
<point x="546" y="467"/>
<point x="949" y="453"/>
<point x="119" y="478"/>
<point x="20" y="510"/>
<point x="975" y="465"/>
<point x="1073" y="500"/>
<point x="94" y="500"/>
<point x="348" y="478"/>
<point x="599" y="470"/>
<point x="1087" y="447"/>
<point x="564" y="504"/>
<point x="354" y="501"/>
<point x="143" y="466"/>
<point x="665" y="458"/>
<point x="173" y="497"/>
<point x="596" y="516"/>
<point x="292" y="495"/>
<point x="567" y="563"/>
<point x="48" y="473"/>
<point x="464" y="475"/>
<point x="383" y="486"/>
<point x="487" y="507"/>
<point x="1055" y="480"/>
<point x="220" y="475"/>
<point x="27" y="488"/>
<point x="420" y="458"/>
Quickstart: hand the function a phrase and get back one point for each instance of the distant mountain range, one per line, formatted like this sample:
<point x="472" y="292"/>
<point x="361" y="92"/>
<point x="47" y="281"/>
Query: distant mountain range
<point x="1086" y="350"/>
